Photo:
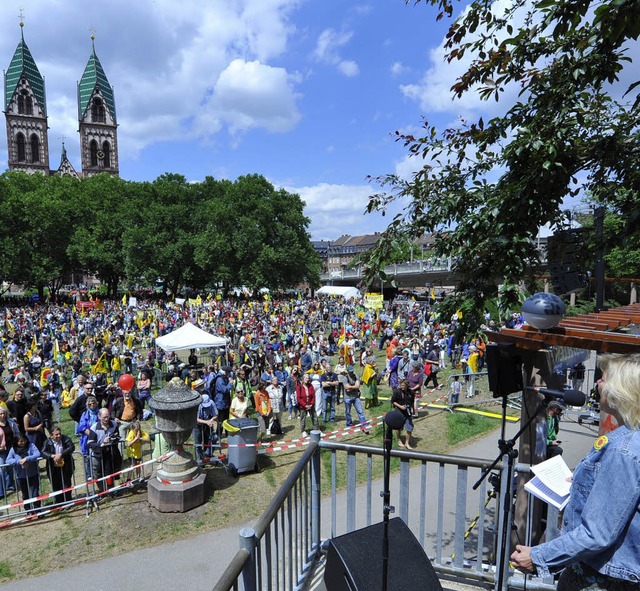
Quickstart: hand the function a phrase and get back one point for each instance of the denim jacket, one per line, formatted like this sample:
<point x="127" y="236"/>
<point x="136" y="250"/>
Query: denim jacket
<point x="601" y="524"/>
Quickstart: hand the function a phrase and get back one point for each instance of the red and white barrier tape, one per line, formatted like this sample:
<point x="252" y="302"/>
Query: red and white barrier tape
<point x="85" y="484"/>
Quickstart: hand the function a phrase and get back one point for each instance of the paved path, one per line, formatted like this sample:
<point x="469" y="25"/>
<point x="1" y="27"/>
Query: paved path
<point x="196" y="563"/>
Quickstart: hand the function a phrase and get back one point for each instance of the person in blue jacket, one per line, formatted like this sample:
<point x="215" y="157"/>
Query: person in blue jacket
<point x="24" y="457"/>
<point x="598" y="548"/>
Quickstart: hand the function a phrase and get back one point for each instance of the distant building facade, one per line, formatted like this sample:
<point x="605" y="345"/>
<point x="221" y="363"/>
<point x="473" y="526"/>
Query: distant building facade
<point x="25" y="108"/>
<point x="340" y="253"/>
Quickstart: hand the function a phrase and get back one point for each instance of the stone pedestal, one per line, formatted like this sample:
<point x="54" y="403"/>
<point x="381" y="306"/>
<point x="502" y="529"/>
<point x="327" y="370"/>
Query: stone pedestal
<point x="176" y="497"/>
<point x="178" y="485"/>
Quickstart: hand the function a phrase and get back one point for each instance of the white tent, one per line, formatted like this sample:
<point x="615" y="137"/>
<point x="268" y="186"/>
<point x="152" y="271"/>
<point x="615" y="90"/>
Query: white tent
<point x="345" y="292"/>
<point x="189" y="336"/>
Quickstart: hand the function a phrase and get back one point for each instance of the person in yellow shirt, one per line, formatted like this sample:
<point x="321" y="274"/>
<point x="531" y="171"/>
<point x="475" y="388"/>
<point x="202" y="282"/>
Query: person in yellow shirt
<point x="116" y="368"/>
<point x="135" y="438"/>
<point x="474" y="359"/>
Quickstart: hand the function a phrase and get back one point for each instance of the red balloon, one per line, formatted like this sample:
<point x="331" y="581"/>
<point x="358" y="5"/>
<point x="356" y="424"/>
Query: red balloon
<point x="126" y="381"/>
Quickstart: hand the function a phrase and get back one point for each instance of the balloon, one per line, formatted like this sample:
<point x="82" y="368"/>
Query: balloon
<point x="126" y="382"/>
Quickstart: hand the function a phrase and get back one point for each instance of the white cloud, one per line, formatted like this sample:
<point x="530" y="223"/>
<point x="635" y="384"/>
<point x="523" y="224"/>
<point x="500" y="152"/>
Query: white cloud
<point x="251" y="94"/>
<point x="349" y="68"/>
<point x="163" y="58"/>
<point x="327" y="51"/>
<point x="398" y="68"/>
<point x="433" y="90"/>
<point x="336" y="209"/>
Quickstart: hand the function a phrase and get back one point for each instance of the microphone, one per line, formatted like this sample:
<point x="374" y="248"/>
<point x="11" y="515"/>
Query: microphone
<point x="570" y="397"/>
<point x="394" y="420"/>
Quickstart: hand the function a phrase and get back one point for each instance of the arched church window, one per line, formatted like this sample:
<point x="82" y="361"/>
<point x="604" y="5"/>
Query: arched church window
<point x="25" y="103"/>
<point x="93" y="153"/>
<point x="106" y="149"/>
<point x="35" y="148"/>
<point x="97" y="111"/>
<point x="22" y="151"/>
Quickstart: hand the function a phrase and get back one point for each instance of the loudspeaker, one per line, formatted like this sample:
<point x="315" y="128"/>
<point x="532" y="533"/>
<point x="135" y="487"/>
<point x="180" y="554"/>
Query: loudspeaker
<point x="564" y="253"/>
<point x="354" y="561"/>
<point x="504" y="369"/>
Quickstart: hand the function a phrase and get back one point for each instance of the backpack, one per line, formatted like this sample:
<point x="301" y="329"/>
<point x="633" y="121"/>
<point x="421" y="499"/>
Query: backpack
<point x="75" y="410"/>
<point x="276" y="427"/>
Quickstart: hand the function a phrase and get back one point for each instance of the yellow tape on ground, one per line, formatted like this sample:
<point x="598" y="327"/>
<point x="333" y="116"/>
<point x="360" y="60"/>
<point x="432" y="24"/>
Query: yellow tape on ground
<point x="474" y="411"/>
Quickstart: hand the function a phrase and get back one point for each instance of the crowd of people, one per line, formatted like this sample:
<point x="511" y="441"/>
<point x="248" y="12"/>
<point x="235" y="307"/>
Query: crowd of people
<point x="291" y="360"/>
<point x="285" y="360"/>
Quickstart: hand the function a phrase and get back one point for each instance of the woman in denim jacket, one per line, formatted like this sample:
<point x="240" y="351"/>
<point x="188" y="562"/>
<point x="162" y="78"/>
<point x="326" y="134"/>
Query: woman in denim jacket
<point x="599" y="547"/>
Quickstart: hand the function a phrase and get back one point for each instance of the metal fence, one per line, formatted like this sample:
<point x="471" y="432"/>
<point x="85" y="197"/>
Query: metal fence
<point x="89" y="483"/>
<point x="456" y="525"/>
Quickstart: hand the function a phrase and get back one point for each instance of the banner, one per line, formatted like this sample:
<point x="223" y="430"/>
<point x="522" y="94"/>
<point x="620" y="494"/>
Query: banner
<point x="373" y="301"/>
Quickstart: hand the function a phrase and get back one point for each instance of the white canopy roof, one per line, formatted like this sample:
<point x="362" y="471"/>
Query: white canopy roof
<point x="189" y="336"/>
<point x="346" y="292"/>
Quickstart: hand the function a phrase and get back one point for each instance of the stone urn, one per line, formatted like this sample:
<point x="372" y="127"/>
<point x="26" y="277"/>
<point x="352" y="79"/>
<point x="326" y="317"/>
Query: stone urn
<point x="178" y="484"/>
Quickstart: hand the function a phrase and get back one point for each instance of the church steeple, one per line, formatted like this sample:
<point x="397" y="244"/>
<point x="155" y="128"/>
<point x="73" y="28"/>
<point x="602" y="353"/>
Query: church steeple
<point x="26" y="112"/>
<point x="97" y="118"/>
<point x="66" y="168"/>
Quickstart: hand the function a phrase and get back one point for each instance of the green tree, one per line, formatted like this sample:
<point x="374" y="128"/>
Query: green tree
<point x="257" y="236"/>
<point x="96" y="244"/>
<point x="485" y="187"/>
<point x="43" y="209"/>
<point x="159" y="242"/>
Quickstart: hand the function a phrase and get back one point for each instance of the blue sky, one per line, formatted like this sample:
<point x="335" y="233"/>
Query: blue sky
<point x="306" y="93"/>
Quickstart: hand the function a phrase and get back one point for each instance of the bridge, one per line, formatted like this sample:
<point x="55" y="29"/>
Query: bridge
<point x="435" y="272"/>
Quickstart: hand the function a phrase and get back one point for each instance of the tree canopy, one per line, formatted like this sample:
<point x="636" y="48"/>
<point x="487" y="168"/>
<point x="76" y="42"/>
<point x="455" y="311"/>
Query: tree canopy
<point x="485" y="187"/>
<point x="185" y="235"/>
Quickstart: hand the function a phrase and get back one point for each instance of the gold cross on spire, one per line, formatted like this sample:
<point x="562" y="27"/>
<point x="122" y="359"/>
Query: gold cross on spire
<point x="21" y="16"/>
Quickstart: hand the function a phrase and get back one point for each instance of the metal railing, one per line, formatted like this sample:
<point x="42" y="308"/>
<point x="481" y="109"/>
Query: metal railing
<point x="433" y="495"/>
<point x="410" y="268"/>
<point x="85" y="488"/>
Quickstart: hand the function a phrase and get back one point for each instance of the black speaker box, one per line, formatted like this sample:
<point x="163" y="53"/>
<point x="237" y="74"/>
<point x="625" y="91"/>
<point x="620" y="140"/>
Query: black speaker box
<point x="504" y="369"/>
<point x="354" y="561"/>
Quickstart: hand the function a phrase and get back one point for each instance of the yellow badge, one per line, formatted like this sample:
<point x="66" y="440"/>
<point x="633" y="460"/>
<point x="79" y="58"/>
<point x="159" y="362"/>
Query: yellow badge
<point x="600" y="442"/>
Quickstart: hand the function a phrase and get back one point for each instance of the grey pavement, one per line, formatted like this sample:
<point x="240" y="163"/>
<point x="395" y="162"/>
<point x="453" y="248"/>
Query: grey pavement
<point x="197" y="563"/>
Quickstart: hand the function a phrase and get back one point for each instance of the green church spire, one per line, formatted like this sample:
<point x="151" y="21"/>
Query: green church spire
<point x="23" y="64"/>
<point x="94" y="76"/>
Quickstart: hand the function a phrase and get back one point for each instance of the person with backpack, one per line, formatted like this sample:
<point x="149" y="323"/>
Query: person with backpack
<point x="204" y="433"/>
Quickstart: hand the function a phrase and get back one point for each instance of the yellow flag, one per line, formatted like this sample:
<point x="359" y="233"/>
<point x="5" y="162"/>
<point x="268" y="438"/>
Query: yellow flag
<point x="459" y="313"/>
<point x="34" y="344"/>
<point x="124" y="299"/>
<point x="199" y="300"/>
<point x="101" y="365"/>
<point x="56" y="348"/>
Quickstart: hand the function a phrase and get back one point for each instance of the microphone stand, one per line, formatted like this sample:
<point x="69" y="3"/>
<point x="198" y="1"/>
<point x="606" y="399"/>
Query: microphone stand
<point x="386" y="507"/>
<point x="508" y="451"/>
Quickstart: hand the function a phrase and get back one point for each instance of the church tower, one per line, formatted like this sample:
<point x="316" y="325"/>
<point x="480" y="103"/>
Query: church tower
<point x="26" y="113"/>
<point x="97" y="118"/>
